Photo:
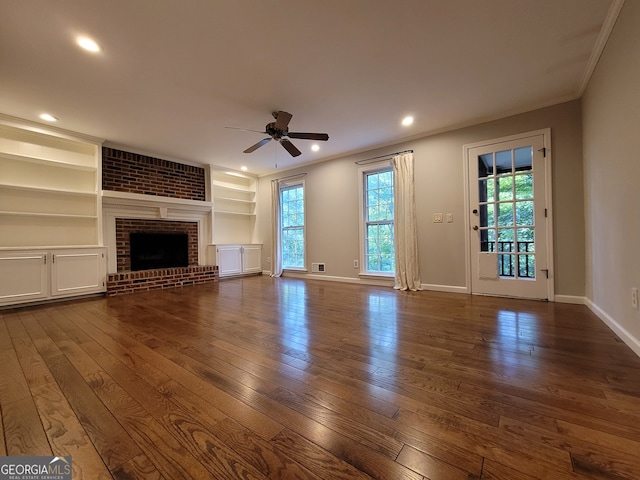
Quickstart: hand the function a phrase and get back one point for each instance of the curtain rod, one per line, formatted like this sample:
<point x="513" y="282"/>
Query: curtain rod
<point x="290" y="176"/>
<point x="367" y="160"/>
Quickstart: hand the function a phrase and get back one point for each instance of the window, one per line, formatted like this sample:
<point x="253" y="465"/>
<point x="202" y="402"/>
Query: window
<point x="379" y="256"/>
<point x="292" y="225"/>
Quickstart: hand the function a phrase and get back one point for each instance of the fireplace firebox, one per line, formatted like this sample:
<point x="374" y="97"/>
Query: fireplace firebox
<point x="152" y="250"/>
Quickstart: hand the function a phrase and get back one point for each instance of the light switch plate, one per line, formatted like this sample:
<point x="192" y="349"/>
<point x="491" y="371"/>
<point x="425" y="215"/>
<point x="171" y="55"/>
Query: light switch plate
<point x="449" y="217"/>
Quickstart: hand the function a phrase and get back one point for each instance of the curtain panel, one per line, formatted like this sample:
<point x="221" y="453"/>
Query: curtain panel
<point x="276" y="233"/>
<point x="406" y="235"/>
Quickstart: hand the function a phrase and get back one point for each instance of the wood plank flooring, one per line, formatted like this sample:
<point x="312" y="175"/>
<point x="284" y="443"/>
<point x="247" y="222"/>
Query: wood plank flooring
<point x="258" y="378"/>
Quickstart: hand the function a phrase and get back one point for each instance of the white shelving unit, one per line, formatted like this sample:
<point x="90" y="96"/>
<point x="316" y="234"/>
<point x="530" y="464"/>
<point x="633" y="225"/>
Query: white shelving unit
<point x="234" y="207"/>
<point x="50" y="213"/>
<point x="48" y="189"/>
<point x="234" y="217"/>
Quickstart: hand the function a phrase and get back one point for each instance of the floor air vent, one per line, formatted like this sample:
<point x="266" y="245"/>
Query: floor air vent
<point x="317" y="268"/>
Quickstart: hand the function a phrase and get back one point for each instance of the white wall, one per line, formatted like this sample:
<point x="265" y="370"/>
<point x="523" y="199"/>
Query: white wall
<point x="332" y="201"/>
<point x="611" y="122"/>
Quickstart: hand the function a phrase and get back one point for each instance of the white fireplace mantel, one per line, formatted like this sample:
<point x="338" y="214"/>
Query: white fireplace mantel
<point x="152" y="207"/>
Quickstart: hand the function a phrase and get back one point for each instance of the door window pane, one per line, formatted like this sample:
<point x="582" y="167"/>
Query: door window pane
<point x="505" y="188"/>
<point x="488" y="240"/>
<point x="524" y="213"/>
<point x="527" y="266"/>
<point x="525" y="240"/>
<point x="524" y="186"/>
<point x="485" y="165"/>
<point x="486" y="190"/>
<point x="506" y="265"/>
<point x="503" y="162"/>
<point x="523" y="158"/>
<point x="487" y="215"/>
<point x="505" y="214"/>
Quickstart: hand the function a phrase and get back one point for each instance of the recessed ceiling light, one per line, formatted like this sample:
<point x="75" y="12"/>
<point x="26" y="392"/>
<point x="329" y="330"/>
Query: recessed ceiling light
<point x="48" y="117"/>
<point x="88" y="44"/>
<point x="243" y="168"/>
<point x="315" y="147"/>
<point x="408" y="120"/>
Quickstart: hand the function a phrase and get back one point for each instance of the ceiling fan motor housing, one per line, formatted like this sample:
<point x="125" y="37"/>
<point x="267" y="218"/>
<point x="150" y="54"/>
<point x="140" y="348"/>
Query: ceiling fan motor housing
<point x="274" y="132"/>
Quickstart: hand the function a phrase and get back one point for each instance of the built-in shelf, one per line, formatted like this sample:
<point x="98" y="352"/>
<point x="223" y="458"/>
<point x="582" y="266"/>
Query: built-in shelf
<point x="48" y="187"/>
<point x="234" y="206"/>
<point x="238" y="200"/>
<point x="51" y="215"/>
<point x="33" y="188"/>
<point x="220" y="186"/>
<point x="47" y="162"/>
<point x="230" y="212"/>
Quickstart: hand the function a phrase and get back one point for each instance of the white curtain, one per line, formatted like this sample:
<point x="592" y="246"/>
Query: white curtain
<point x="276" y="235"/>
<point x="406" y="235"/>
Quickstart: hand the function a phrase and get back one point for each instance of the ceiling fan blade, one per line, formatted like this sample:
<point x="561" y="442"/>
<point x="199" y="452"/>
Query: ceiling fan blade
<point x="253" y="148"/>
<point x="245" y="129"/>
<point x="290" y="147"/>
<point x="282" y="120"/>
<point x="309" y="136"/>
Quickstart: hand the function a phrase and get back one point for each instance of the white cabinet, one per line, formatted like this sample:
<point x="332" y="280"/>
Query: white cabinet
<point x="36" y="275"/>
<point x="238" y="259"/>
<point x="78" y="271"/>
<point x="49" y="187"/>
<point x="252" y="259"/>
<point x="23" y="277"/>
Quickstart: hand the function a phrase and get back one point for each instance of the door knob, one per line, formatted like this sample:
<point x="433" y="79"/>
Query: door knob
<point x="475" y="227"/>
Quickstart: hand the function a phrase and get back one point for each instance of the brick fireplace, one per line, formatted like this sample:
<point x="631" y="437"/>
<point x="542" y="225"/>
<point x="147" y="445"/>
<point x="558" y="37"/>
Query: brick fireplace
<point x="146" y="194"/>
<point x="125" y="226"/>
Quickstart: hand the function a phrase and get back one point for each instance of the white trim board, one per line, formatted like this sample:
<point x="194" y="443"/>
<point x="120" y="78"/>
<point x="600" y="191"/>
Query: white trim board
<point x="632" y="342"/>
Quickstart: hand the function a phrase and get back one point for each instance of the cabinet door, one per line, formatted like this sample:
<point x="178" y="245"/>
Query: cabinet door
<point x="23" y="277"/>
<point x="252" y="259"/>
<point x="77" y="272"/>
<point x="229" y="259"/>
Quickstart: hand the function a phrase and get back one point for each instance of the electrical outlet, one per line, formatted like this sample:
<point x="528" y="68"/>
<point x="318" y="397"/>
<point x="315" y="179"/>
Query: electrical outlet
<point x="437" y="218"/>
<point x="634" y="298"/>
<point x="356" y="264"/>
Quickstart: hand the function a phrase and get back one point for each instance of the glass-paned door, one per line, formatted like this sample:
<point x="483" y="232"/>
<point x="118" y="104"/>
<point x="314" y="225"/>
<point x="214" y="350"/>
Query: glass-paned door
<point x="509" y="218"/>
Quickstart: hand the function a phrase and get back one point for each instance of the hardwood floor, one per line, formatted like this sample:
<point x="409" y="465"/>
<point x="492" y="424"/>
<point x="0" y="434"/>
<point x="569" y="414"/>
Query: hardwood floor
<point x="260" y="378"/>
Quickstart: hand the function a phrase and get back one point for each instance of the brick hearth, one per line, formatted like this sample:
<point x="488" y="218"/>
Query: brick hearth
<point x="129" y="282"/>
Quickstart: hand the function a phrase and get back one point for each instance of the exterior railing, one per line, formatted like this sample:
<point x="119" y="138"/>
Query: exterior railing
<point x="507" y="262"/>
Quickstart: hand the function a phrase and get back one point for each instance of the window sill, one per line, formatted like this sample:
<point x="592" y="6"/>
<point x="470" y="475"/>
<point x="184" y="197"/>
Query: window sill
<point x="293" y="269"/>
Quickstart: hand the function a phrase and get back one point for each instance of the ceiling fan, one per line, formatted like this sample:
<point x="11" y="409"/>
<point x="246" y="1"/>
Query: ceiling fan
<point x="279" y="131"/>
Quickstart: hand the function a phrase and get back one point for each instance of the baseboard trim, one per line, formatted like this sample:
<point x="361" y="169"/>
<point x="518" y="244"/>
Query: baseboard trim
<point x="443" y="288"/>
<point x="632" y="342"/>
<point x="332" y="278"/>
<point x="574" y="299"/>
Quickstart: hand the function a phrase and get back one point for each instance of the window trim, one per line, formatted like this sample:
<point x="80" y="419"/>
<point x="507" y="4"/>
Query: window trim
<point x="382" y="166"/>
<point x="285" y="186"/>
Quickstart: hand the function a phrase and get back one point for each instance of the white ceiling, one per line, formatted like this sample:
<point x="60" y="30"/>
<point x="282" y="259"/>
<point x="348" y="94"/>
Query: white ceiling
<point x="172" y="74"/>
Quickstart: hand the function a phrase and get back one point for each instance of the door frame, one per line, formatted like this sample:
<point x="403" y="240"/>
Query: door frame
<point x="546" y="135"/>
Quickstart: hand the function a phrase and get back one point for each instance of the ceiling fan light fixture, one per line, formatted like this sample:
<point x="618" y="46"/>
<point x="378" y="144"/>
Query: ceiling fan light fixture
<point x="315" y="147"/>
